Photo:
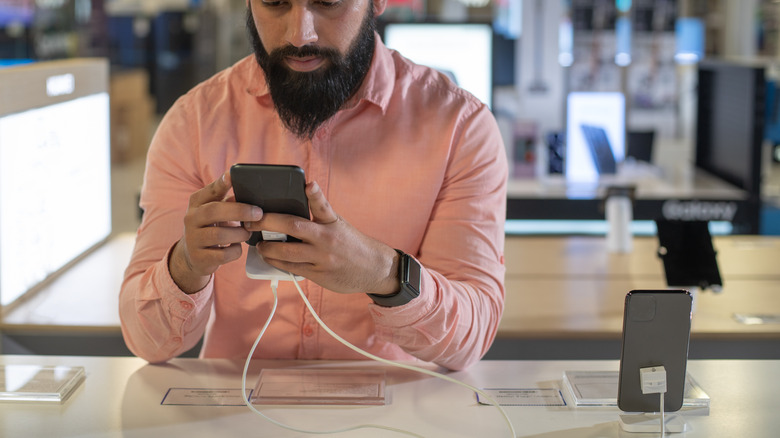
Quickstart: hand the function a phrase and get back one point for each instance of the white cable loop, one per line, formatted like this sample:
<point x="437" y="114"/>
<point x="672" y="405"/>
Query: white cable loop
<point x="274" y="285"/>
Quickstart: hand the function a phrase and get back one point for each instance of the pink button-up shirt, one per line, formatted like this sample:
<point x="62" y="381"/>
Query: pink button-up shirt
<point x="414" y="162"/>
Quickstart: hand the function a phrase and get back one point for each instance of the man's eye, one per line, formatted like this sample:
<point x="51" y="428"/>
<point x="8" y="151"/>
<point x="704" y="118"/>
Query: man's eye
<point x="327" y="4"/>
<point x="272" y="4"/>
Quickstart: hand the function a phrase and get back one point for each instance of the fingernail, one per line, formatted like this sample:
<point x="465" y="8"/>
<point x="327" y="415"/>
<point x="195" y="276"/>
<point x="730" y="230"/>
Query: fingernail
<point x="315" y="188"/>
<point x="257" y="213"/>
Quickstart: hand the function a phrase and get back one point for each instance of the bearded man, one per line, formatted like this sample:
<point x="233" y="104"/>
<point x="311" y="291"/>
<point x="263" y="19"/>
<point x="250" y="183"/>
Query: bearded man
<point x="403" y="167"/>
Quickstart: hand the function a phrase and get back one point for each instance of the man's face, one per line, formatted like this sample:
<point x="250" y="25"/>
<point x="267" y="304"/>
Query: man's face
<point x="318" y="56"/>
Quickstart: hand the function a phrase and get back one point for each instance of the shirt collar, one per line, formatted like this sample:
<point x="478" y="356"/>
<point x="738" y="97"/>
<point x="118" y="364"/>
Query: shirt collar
<point x="378" y="84"/>
<point x="256" y="84"/>
<point x="376" y="87"/>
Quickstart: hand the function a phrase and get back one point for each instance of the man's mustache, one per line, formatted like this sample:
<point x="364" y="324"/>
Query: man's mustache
<point x="302" y="52"/>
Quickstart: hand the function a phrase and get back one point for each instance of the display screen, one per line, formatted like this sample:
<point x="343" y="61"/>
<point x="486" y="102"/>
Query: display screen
<point x="462" y="51"/>
<point x="16" y="12"/>
<point x="730" y="122"/>
<point x="55" y="193"/>
<point x="595" y="132"/>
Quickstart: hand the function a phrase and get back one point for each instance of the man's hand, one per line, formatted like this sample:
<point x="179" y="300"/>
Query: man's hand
<point x="332" y="253"/>
<point x="212" y="235"/>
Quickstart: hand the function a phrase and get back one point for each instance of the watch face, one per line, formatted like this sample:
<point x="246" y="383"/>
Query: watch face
<point x="412" y="273"/>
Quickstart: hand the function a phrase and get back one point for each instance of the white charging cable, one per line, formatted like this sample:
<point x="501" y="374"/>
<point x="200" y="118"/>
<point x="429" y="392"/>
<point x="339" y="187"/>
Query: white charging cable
<point x="663" y="420"/>
<point x="653" y="380"/>
<point x="274" y="285"/>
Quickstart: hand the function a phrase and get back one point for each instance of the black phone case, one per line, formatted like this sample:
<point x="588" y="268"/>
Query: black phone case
<point x="274" y="188"/>
<point x="656" y="331"/>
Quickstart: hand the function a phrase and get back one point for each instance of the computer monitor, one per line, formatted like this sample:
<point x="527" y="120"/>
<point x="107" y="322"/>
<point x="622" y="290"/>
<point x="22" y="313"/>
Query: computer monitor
<point x="55" y="182"/>
<point x="730" y="122"/>
<point x="462" y="51"/>
<point x="639" y="145"/>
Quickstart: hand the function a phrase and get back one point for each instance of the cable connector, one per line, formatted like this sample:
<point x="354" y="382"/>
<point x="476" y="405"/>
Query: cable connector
<point x="653" y="380"/>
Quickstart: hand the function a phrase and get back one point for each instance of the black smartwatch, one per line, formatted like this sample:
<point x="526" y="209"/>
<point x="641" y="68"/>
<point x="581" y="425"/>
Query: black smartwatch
<point x="409" y="274"/>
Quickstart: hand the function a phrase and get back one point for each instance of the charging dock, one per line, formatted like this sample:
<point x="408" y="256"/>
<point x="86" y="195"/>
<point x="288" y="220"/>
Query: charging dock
<point x="258" y="269"/>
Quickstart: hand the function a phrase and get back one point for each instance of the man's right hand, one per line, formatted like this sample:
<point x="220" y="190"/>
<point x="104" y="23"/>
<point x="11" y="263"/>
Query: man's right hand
<point x="212" y="235"/>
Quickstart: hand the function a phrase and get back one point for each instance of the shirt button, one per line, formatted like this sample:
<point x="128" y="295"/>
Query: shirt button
<point x="308" y="331"/>
<point x="186" y="305"/>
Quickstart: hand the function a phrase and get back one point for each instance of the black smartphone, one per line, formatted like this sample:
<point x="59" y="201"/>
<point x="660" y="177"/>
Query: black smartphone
<point x="656" y="331"/>
<point x="273" y="187"/>
<point x="600" y="149"/>
<point x="688" y="254"/>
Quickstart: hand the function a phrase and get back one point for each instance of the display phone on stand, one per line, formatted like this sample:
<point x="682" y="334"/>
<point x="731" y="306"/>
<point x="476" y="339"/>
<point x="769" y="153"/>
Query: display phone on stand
<point x="689" y="257"/>
<point x="276" y="189"/>
<point x="656" y="331"/>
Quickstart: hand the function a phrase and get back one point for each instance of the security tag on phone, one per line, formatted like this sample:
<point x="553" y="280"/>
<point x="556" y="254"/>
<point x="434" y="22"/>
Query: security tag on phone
<point x="274" y="236"/>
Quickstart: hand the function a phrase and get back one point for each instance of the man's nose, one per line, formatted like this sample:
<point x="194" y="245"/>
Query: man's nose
<point x="300" y="27"/>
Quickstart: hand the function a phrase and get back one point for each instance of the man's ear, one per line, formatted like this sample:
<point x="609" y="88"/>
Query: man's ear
<point x="379" y="7"/>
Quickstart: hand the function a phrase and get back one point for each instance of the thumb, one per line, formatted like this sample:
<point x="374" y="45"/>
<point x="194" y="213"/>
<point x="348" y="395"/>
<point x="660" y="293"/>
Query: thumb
<point x="215" y="191"/>
<point x="321" y="211"/>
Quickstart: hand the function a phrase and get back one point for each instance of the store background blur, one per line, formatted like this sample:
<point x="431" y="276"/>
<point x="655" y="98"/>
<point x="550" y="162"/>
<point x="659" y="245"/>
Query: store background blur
<point x="649" y="51"/>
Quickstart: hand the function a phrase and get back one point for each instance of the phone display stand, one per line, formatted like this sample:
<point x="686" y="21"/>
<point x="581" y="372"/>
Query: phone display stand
<point x="649" y="423"/>
<point x="618" y="210"/>
<point x="258" y="269"/>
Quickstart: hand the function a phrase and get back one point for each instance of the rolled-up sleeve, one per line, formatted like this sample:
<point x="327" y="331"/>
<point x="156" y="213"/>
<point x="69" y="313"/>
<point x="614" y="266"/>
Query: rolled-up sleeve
<point x="158" y="320"/>
<point x="454" y="320"/>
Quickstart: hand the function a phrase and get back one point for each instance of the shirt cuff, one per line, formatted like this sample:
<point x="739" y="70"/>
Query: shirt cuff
<point x="180" y="302"/>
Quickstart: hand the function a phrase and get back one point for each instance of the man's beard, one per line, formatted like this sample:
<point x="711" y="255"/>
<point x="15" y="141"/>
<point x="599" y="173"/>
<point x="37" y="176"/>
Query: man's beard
<point x="305" y="100"/>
